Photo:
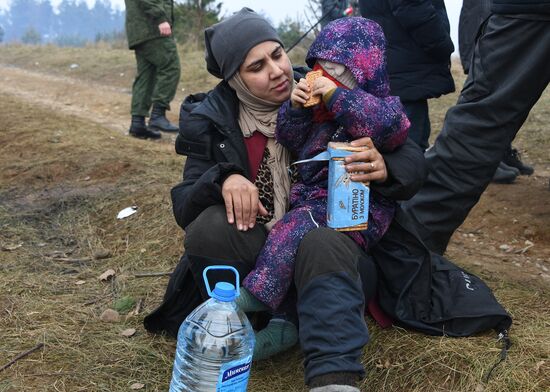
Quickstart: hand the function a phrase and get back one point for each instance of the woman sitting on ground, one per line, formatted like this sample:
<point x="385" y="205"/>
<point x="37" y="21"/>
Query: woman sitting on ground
<point x="236" y="186"/>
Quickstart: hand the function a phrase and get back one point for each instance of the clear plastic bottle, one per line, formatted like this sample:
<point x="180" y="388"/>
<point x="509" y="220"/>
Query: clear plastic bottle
<point x="215" y="343"/>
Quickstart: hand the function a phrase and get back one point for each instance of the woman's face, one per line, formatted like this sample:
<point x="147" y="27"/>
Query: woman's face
<point x="267" y="72"/>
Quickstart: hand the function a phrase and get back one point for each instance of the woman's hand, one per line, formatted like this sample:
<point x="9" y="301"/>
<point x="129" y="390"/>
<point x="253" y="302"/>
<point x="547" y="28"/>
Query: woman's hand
<point x="370" y="163"/>
<point x="300" y="94"/>
<point x="241" y="202"/>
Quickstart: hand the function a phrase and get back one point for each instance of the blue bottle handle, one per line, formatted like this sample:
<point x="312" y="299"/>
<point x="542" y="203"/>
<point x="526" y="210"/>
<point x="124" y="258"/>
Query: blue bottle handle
<point x="220" y="267"/>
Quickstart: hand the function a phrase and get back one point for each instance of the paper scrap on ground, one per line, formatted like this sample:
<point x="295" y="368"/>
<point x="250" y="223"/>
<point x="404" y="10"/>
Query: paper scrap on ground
<point x="125" y="213"/>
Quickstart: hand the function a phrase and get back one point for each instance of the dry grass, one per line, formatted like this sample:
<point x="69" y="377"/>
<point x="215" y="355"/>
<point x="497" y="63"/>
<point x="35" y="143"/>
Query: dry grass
<point x="102" y="64"/>
<point x="62" y="182"/>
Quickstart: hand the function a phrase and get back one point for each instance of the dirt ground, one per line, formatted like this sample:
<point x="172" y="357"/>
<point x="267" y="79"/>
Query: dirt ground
<point x="74" y="160"/>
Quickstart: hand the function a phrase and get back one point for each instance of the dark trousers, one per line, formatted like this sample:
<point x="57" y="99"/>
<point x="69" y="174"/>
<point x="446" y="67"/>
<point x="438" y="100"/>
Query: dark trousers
<point x="333" y="277"/>
<point x="158" y="74"/>
<point x="419" y="116"/>
<point x="508" y="74"/>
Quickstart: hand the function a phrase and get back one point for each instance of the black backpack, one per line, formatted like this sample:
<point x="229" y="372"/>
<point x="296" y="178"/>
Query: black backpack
<point x="422" y="290"/>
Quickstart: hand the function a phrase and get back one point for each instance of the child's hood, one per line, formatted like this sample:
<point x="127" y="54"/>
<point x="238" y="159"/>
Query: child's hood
<point x="360" y="45"/>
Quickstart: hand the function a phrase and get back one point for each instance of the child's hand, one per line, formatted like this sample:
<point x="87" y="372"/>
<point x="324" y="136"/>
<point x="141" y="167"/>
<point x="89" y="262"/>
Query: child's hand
<point x="322" y="85"/>
<point x="300" y="94"/>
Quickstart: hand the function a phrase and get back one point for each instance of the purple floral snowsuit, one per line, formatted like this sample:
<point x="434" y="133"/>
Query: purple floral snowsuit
<point x="367" y="110"/>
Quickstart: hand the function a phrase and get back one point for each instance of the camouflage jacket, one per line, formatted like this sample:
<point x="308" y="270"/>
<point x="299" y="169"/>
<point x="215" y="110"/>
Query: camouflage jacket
<point x="143" y="18"/>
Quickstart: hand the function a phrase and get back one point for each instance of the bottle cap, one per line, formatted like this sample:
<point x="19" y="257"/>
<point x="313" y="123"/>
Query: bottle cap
<point x="224" y="292"/>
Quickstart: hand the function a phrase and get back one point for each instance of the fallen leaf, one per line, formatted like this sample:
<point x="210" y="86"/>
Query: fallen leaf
<point x="12" y="247"/>
<point x="79" y="282"/>
<point x="128" y="332"/>
<point x="107" y="275"/>
<point x="137" y="385"/>
<point x="109" y="316"/>
<point x="101" y="254"/>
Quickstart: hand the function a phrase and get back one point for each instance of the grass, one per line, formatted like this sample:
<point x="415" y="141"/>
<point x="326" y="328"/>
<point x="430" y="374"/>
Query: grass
<point x="62" y="182"/>
<point x="102" y="64"/>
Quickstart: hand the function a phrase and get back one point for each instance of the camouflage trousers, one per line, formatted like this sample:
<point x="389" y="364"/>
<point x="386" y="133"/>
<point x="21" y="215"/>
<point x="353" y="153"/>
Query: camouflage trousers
<point x="158" y="74"/>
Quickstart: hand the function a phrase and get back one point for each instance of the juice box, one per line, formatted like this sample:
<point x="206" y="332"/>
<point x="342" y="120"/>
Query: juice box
<point x="348" y="201"/>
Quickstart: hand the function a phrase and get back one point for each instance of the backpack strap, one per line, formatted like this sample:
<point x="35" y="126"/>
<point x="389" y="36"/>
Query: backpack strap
<point x="506" y="344"/>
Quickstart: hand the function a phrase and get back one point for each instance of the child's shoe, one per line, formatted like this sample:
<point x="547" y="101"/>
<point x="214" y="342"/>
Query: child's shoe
<point x="278" y="336"/>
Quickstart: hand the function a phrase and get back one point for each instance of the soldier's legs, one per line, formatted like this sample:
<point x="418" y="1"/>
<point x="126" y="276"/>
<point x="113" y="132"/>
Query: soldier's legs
<point x="164" y="56"/>
<point x="142" y="89"/>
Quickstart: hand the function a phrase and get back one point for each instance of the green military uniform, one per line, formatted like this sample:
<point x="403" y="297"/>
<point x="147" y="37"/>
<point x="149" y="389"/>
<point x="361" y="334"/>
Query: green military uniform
<point x="158" y="66"/>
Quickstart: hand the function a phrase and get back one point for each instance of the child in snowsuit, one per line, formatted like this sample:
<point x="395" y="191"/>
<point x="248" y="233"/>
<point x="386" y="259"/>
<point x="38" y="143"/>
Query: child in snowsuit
<point x="355" y="103"/>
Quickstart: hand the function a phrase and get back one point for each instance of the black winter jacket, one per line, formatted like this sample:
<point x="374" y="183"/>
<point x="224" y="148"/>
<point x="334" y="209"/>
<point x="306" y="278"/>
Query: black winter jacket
<point x="419" y="45"/>
<point x="211" y="139"/>
<point x="521" y="7"/>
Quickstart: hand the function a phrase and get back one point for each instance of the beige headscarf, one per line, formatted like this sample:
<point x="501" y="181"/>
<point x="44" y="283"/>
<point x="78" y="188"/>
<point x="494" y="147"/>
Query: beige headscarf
<point x="256" y="114"/>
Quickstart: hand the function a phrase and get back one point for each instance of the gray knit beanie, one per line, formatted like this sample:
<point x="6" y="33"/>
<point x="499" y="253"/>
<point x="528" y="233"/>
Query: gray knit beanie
<point x="229" y="41"/>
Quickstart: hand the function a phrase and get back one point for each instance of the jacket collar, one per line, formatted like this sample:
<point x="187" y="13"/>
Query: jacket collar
<point x="221" y="106"/>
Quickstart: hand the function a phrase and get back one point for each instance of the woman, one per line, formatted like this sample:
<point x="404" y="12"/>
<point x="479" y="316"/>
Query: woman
<point x="233" y="163"/>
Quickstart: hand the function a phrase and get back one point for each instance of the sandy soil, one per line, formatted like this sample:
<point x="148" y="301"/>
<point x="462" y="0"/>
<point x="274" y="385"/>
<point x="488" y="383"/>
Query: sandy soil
<point x="101" y="104"/>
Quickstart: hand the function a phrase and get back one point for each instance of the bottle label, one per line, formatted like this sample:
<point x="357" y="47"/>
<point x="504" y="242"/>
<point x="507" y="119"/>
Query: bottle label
<point x="234" y="375"/>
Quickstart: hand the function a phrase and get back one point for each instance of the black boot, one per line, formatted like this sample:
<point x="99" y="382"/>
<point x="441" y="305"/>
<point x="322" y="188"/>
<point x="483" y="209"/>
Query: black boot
<point x="513" y="158"/>
<point x="504" y="174"/>
<point x="159" y="122"/>
<point x="139" y="130"/>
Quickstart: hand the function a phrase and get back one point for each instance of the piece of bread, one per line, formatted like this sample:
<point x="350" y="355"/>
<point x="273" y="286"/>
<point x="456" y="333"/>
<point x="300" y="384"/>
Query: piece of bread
<point x="314" y="99"/>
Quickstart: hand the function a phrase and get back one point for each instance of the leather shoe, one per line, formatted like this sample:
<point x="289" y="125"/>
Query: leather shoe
<point x="159" y="122"/>
<point x="504" y="175"/>
<point x="139" y="130"/>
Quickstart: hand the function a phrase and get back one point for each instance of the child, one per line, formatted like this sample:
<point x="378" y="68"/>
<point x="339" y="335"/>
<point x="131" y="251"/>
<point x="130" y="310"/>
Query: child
<point x="355" y="103"/>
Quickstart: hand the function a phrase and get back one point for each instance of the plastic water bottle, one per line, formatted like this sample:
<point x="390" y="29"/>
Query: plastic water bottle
<point x="215" y="343"/>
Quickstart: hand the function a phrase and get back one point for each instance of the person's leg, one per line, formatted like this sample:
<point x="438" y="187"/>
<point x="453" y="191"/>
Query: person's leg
<point x="330" y="307"/>
<point x="418" y="114"/>
<point x="141" y="94"/>
<point x="167" y="65"/>
<point x="272" y="276"/>
<point x="144" y="82"/>
<point x="269" y="282"/>
<point x="508" y="74"/>
<point x="210" y="240"/>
